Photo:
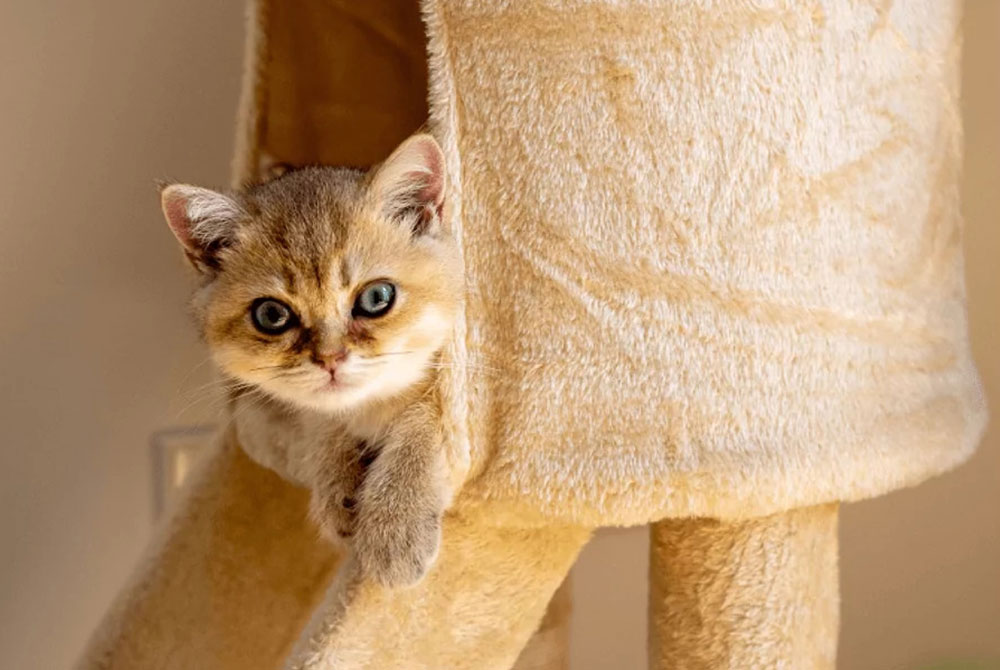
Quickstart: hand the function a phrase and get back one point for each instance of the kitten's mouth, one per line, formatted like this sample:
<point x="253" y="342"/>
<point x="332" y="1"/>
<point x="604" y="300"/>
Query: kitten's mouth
<point x="334" y="384"/>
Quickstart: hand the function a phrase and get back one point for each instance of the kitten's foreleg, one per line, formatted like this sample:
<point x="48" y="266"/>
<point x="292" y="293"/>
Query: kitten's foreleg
<point x="402" y="500"/>
<point x="338" y="471"/>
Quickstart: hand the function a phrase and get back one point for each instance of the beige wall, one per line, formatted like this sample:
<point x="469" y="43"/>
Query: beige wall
<point x="100" y="99"/>
<point x="921" y="568"/>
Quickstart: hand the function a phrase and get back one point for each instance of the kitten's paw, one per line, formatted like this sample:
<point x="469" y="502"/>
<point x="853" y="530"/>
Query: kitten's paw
<point x="336" y="516"/>
<point x="397" y="551"/>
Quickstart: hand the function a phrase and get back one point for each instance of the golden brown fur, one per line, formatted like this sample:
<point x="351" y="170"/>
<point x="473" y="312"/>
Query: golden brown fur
<point x="314" y="240"/>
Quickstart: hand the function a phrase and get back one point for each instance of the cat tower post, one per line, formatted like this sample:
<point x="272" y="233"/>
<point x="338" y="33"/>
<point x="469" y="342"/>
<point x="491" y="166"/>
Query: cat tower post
<point x="714" y="279"/>
<point x="236" y="574"/>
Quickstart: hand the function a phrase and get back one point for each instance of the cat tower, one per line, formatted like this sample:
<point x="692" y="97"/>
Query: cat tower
<point x="714" y="285"/>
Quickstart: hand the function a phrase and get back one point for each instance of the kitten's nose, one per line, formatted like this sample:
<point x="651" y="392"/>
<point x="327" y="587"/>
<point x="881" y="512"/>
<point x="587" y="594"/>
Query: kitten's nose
<point x="330" y="359"/>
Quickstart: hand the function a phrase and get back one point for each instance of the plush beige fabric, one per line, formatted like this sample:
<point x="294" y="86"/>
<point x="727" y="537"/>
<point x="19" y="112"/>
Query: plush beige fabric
<point x="236" y="574"/>
<point x="713" y="252"/>
<point x="714" y="270"/>
<point x="760" y="593"/>
<point x="712" y="248"/>
<point x="229" y="582"/>
<point x="475" y="610"/>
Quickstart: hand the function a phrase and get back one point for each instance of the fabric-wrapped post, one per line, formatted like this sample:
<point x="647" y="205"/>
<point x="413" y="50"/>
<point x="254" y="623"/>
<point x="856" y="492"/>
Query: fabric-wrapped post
<point x="759" y="593"/>
<point x="230" y="581"/>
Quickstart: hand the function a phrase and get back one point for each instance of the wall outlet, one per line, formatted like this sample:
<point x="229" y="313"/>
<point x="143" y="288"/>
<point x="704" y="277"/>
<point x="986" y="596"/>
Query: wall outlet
<point x="177" y="451"/>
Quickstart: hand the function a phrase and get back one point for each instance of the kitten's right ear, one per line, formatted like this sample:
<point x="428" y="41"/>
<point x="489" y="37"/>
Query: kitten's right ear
<point x="202" y="220"/>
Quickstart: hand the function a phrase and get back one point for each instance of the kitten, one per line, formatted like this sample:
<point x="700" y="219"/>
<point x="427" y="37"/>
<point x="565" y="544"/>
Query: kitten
<point x="332" y="291"/>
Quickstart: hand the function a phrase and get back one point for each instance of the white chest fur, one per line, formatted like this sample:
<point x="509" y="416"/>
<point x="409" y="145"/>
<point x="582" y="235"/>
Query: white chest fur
<point x="287" y="440"/>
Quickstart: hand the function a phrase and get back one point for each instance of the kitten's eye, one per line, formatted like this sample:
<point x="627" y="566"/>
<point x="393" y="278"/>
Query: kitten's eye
<point x="375" y="300"/>
<point x="271" y="316"/>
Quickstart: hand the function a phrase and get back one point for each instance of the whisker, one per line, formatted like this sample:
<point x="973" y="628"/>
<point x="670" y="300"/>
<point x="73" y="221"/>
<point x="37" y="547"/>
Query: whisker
<point x="254" y="399"/>
<point x="191" y="372"/>
<point x="368" y="364"/>
<point x="269" y="367"/>
<point x="212" y="385"/>
<point x="296" y="372"/>
<point x="207" y="401"/>
<point x="210" y="393"/>
<point x="472" y="367"/>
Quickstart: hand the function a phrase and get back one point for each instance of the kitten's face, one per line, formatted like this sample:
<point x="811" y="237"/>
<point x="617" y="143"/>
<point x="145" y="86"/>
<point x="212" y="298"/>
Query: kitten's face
<point x="332" y="287"/>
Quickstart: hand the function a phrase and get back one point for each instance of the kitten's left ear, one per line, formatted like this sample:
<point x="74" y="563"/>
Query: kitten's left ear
<point x="409" y="185"/>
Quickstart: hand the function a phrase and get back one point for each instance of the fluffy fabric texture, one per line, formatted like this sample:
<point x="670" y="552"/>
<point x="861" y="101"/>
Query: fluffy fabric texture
<point x="713" y="250"/>
<point x="475" y="610"/>
<point x="236" y="574"/>
<point x="228" y="584"/>
<point x="760" y="593"/>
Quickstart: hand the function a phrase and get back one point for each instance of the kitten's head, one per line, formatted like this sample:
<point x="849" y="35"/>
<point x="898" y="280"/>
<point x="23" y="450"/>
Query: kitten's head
<point x="325" y="287"/>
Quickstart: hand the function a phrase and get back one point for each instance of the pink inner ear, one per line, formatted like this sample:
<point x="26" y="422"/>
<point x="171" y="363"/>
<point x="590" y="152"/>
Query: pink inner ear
<point x="175" y="210"/>
<point x="433" y="190"/>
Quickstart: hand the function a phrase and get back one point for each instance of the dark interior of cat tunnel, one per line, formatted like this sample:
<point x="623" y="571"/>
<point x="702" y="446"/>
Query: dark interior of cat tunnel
<point x="350" y="82"/>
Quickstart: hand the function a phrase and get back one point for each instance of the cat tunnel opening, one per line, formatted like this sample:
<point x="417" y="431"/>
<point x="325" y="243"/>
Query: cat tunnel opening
<point x="344" y="81"/>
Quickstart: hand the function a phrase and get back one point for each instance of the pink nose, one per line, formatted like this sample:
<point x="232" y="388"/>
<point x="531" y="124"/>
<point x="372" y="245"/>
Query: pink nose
<point x="329" y="359"/>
